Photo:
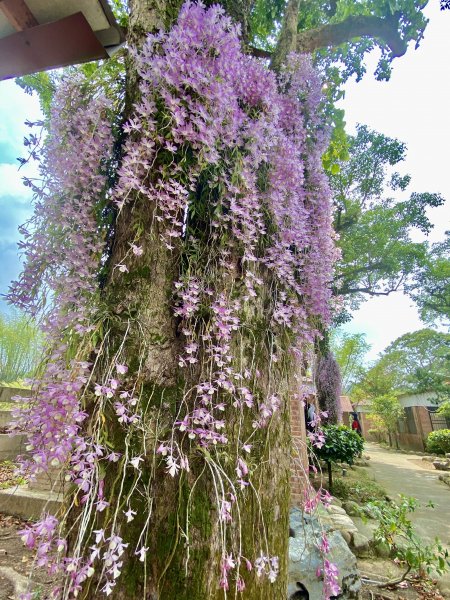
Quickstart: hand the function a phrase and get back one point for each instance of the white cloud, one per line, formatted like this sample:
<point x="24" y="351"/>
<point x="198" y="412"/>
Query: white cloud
<point x="11" y="183"/>
<point x="15" y="108"/>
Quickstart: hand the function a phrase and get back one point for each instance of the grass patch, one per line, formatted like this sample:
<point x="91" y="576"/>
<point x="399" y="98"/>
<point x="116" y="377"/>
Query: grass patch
<point x="8" y="476"/>
<point x="359" y="491"/>
<point x="358" y="485"/>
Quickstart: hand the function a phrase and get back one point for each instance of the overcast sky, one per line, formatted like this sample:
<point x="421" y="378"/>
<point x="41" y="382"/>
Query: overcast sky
<point x="413" y="106"/>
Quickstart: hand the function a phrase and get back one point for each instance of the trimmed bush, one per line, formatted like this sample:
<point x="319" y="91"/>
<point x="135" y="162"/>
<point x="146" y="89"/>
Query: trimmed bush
<point x="341" y="445"/>
<point x="438" y="442"/>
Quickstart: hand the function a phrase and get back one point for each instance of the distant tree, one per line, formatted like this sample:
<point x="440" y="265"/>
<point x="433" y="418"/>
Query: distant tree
<point x="349" y="350"/>
<point x="420" y="362"/>
<point x="327" y="378"/>
<point x="20" y="347"/>
<point x="378" y="254"/>
<point x="341" y="445"/>
<point x="444" y="409"/>
<point x="415" y="362"/>
<point x="386" y="410"/>
<point x="430" y="288"/>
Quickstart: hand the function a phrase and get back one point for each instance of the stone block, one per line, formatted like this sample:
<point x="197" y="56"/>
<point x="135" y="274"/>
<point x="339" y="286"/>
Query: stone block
<point x="352" y="508"/>
<point x="360" y="545"/>
<point x="11" y="446"/>
<point x="305" y="560"/>
<point x="442" y="465"/>
<point x="28" y="504"/>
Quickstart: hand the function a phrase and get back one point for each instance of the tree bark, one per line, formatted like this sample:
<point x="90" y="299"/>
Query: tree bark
<point x="184" y="556"/>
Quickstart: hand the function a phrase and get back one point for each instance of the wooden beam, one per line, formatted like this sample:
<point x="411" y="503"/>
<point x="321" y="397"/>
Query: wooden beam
<point x="18" y="14"/>
<point x="68" y="41"/>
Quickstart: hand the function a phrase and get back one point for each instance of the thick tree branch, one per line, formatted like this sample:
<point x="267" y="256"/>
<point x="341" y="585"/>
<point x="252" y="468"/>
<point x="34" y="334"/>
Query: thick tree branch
<point x="355" y="26"/>
<point x="364" y="290"/>
<point x="259" y="52"/>
<point x="287" y="42"/>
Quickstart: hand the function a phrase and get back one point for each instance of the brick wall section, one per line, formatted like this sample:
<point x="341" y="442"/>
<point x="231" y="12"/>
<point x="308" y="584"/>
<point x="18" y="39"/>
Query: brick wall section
<point x="299" y="454"/>
<point x="366" y="424"/>
<point x="423" y="420"/>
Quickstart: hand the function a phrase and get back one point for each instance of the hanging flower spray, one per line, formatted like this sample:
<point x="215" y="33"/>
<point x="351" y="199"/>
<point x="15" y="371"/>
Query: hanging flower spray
<point x="216" y="134"/>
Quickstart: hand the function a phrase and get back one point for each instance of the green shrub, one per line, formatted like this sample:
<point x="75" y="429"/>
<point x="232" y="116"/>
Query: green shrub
<point x="341" y="445"/>
<point x="438" y="442"/>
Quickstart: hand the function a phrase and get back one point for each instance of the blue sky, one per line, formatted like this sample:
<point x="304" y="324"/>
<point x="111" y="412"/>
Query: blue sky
<point x="413" y="106"/>
<point x="15" y="208"/>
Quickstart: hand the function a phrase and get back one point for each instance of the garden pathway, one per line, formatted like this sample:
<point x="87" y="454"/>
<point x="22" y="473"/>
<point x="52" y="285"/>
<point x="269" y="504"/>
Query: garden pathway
<point x="407" y="474"/>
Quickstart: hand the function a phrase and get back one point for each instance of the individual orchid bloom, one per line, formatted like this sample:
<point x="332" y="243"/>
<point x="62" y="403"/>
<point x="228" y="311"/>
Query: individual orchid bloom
<point x="113" y="457"/>
<point x="130" y="514"/>
<point x="184" y="463"/>
<point x="99" y="536"/>
<point x="228" y="562"/>
<point x="223" y="583"/>
<point x="162" y="449"/>
<point x="324" y="544"/>
<point x="114" y="384"/>
<point x="137" y="250"/>
<point x="242" y="468"/>
<point x="240" y="584"/>
<point x="108" y="588"/>
<point x="136" y="461"/>
<point x="172" y="466"/>
<point x="142" y="553"/>
<point x="121" y="369"/>
<point x="225" y="511"/>
<point x="122" y="268"/>
<point x="28" y="537"/>
<point x="101" y="505"/>
<point x="95" y="553"/>
<point x="260" y="564"/>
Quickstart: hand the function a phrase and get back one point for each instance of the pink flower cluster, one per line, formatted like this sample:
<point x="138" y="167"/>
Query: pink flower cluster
<point x="62" y="249"/>
<point x="210" y="118"/>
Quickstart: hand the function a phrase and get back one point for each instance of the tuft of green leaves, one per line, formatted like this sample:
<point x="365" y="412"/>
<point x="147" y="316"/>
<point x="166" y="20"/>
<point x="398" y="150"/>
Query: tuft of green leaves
<point x="438" y="442"/>
<point x="341" y="444"/>
<point x="395" y="529"/>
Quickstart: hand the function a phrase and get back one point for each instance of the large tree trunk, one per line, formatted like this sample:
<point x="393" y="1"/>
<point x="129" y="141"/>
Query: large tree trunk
<point x="185" y="536"/>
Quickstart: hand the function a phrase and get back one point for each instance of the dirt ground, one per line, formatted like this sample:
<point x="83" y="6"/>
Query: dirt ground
<point x="380" y="570"/>
<point x="16" y="563"/>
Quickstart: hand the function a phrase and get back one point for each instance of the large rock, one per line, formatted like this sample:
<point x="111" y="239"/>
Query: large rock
<point x="352" y="508"/>
<point x="442" y="465"/>
<point x="360" y="545"/>
<point x="305" y="559"/>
